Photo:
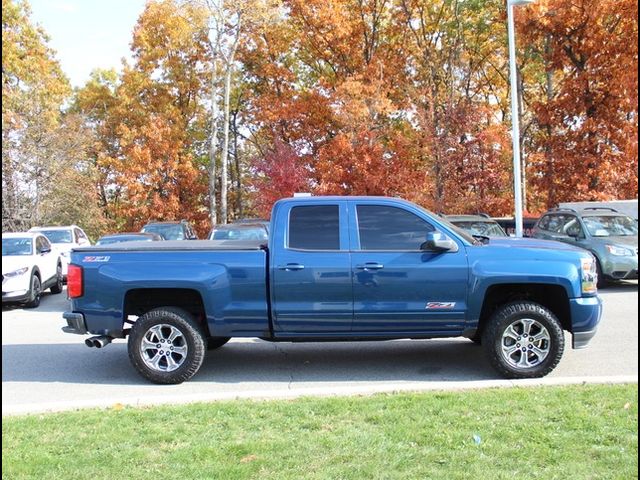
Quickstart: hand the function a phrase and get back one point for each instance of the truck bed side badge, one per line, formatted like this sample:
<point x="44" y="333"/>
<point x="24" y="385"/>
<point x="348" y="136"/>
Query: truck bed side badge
<point x="104" y="258"/>
<point x="440" y="305"/>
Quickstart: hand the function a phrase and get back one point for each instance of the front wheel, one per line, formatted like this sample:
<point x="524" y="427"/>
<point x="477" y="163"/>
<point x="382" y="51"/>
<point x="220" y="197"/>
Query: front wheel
<point x="602" y="281"/>
<point x="34" y="293"/>
<point x="523" y="340"/>
<point x="166" y="345"/>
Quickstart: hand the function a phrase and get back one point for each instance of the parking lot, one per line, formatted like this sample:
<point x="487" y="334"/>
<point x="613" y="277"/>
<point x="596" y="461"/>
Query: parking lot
<point x="45" y="369"/>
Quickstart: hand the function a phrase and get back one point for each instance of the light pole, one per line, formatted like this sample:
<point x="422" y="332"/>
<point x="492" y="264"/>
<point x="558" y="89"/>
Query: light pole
<point x="517" y="175"/>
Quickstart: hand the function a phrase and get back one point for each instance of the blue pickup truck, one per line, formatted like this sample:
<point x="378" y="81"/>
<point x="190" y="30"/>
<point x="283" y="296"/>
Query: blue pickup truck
<point x="336" y="268"/>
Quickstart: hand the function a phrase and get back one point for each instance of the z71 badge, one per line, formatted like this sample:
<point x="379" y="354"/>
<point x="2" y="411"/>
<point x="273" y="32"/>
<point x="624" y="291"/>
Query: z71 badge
<point x="89" y="259"/>
<point x="440" y="305"/>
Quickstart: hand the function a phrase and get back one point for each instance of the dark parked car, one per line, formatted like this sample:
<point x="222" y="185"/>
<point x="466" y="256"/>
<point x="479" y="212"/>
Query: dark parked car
<point x="609" y="235"/>
<point x="128" y="237"/>
<point x="477" y="225"/>
<point x="178" y="230"/>
<point x="240" y="231"/>
<point x="264" y="222"/>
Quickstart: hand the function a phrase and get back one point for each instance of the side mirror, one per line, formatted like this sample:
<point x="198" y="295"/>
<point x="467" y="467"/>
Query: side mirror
<point x="438" y="242"/>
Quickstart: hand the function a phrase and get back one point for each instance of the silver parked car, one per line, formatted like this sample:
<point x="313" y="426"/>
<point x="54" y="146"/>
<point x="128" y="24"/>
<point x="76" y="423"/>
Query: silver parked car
<point x="478" y="225"/>
<point x="611" y="236"/>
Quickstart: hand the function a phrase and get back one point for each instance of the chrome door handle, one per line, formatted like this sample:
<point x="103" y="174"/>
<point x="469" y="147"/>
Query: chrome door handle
<point x="370" y="266"/>
<point x="291" y="267"/>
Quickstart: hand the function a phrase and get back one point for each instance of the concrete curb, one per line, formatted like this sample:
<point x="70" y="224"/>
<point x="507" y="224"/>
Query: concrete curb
<point x="297" y="392"/>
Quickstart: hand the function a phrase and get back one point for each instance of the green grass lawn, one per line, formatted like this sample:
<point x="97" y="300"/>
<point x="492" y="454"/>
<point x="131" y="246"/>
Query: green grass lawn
<point x="583" y="431"/>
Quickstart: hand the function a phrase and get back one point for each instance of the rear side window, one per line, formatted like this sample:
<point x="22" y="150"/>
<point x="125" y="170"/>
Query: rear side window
<point x="314" y="227"/>
<point x="390" y="228"/>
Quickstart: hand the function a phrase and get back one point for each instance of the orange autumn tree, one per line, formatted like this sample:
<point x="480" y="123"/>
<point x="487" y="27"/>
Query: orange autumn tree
<point x="150" y="133"/>
<point x="585" y="145"/>
<point x="388" y="98"/>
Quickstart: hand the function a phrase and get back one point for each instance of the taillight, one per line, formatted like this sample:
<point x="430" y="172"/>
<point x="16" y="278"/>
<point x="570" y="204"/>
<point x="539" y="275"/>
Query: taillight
<point x="74" y="281"/>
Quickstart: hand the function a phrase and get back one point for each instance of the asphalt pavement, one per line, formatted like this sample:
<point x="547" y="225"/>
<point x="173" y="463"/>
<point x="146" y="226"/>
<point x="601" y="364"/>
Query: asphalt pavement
<point x="44" y="369"/>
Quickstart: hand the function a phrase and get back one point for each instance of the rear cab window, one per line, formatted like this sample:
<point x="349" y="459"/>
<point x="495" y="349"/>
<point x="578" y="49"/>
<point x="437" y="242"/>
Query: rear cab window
<point x="314" y="227"/>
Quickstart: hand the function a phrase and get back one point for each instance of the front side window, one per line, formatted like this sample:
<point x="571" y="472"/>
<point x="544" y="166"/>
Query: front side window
<point x="543" y="224"/>
<point x="390" y="228"/>
<point x="40" y="244"/>
<point x="558" y="221"/>
<point x="314" y="227"/>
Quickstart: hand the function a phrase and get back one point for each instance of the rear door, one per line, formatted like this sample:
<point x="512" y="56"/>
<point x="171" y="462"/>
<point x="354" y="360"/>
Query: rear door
<point x="312" y="270"/>
<point x="397" y="287"/>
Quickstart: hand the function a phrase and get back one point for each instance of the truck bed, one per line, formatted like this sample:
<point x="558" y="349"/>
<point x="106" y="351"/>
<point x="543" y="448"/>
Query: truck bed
<point x="173" y="245"/>
<point x="226" y="279"/>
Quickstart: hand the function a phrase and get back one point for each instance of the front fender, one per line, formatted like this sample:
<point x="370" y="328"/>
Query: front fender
<point x="487" y="273"/>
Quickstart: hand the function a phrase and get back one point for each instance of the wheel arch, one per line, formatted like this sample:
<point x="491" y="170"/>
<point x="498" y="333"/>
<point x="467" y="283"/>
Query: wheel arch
<point x="552" y="297"/>
<point x="139" y="301"/>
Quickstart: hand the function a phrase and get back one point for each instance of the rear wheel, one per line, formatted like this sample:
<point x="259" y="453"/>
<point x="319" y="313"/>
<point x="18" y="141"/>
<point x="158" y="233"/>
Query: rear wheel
<point x="523" y="340"/>
<point x="166" y="345"/>
<point x="57" y="288"/>
<point x="34" y="293"/>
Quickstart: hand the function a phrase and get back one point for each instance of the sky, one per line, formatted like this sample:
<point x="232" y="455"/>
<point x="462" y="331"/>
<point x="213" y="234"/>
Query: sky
<point x="87" y="34"/>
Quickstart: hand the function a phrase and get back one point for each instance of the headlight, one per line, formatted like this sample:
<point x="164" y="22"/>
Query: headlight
<point x="589" y="278"/>
<point x="17" y="273"/>
<point x="619" y="251"/>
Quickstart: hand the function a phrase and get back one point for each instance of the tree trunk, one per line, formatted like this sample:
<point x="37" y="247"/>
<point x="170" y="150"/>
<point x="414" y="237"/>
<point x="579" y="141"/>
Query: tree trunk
<point x="225" y="132"/>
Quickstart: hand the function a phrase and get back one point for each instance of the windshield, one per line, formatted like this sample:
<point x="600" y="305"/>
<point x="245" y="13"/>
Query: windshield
<point x="16" y="246"/>
<point x="58" y="236"/>
<point x="169" y="232"/>
<point x="489" y="229"/>
<point x="124" y="238"/>
<point x="257" y="233"/>
<point x="611" y="225"/>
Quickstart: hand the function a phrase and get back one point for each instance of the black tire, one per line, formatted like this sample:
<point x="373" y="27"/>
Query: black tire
<point x="216" y="342"/>
<point x="57" y="287"/>
<point x="477" y="338"/>
<point x="518" y="351"/>
<point x="602" y="281"/>
<point x="34" y="293"/>
<point x="169" y="367"/>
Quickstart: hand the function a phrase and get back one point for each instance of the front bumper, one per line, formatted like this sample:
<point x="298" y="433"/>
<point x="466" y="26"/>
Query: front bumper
<point x="75" y="323"/>
<point x="620" y="268"/>
<point x="16" y="289"/>
<point x="17" y="296"/>
<point x="586" y="313"/>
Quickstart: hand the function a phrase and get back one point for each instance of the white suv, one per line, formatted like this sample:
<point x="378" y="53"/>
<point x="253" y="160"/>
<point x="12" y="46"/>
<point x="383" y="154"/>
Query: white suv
<point x="29" y="266"/>
<point x="63" y="240"/>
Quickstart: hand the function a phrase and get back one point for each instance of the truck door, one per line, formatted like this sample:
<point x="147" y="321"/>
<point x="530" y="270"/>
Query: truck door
<point x="311" y="270"/>
<point x="397" y="287"/>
